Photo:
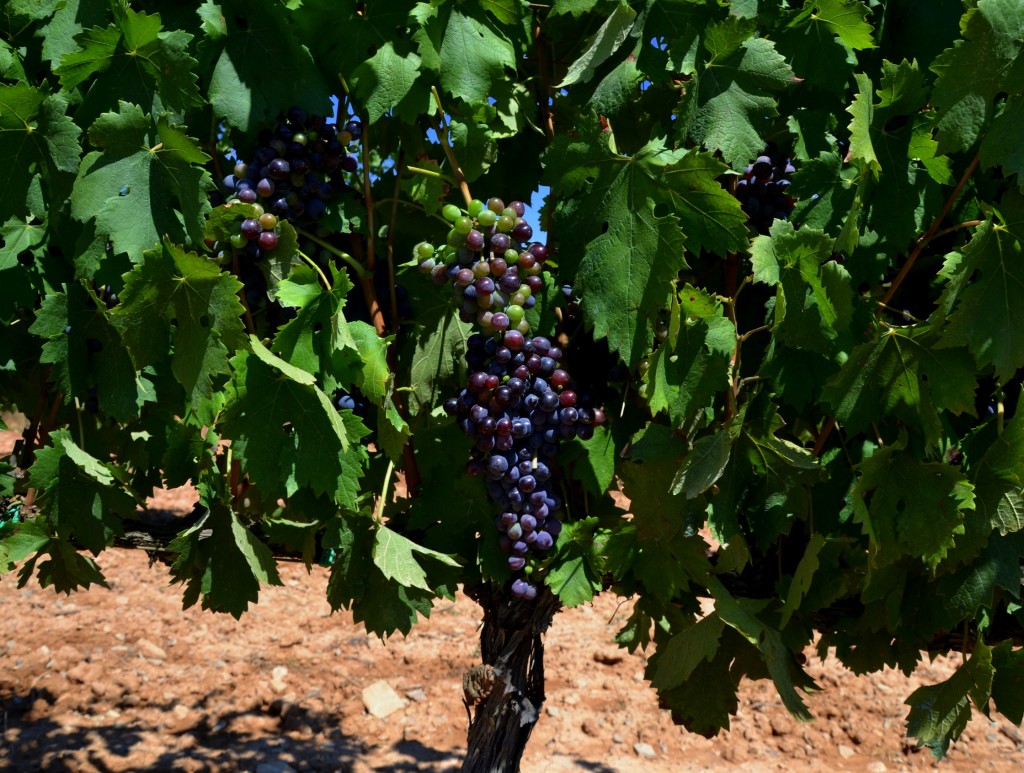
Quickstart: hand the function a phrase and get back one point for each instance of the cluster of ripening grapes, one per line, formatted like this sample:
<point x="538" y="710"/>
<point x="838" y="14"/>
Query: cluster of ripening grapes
<point x="763" y="190"/>
<point x="519" y="405"/>
<point x="295" y="170"/>
<point x="493" y="268"/>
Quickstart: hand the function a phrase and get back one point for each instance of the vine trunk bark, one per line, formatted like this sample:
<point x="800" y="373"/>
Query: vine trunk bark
<point x="505" y="692"/>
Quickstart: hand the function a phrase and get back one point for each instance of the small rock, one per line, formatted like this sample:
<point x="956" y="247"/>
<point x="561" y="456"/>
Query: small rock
<point x="781" y="725"/>
<point x="277" y="683"/>
<point x="845" y="751"/>
<point x="876" y="767"/>
<point x="552" y="711"/>
<point x="617" y="738"/>
<point x="417" y="695"/>
<point x="572" y="700"/>
<point x="180" y="712"/>
<point x="381" y="700"/>
<point x="608" y="657"/>
<point x="645" y="750"/>
<point x="591" y="728"/>
<point x="150" y="650"/>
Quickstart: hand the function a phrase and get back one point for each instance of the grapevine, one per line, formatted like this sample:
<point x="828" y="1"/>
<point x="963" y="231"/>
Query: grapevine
<point x="751" y="359"/>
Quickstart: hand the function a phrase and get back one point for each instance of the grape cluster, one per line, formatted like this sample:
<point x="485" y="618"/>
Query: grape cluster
<point x="519" y="404"/>
<point x="493" y="268"/>
<point x="297" y="167"/>
<point x="763" y="190"/>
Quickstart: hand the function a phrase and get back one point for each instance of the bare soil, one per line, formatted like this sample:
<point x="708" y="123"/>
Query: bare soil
<point x="121" y="679"/>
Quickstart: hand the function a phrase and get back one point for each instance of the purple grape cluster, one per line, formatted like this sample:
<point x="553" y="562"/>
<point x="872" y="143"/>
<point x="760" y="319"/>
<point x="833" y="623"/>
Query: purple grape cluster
<point x="493" y="268"/>
<point x="518" y="406"/>
<point x="763" y="190"/>
<point x="297" y="167"/>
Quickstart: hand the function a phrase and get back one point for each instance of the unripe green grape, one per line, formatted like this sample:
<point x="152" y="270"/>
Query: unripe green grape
<point x="257" y="210"/>
<point x="463" y="224"/>
<point x="499" y="301"/>
<point x="515" y="312"/>
<point x="451" y="212"/>
<point x="268" y="221"/>
<point x="517" y="299"/>
<point x="534" y="269"/>
<point x="496" y="205"/>
<point x="487" y="218"/>
<point x="300" y="138"/>
<point x="238" y="241"/>
<point x="424" y="250"/>
<point x="481" y="269"/>
<point x="475" y="207"/>
<point x="506" y="224"/>
<point x="661" y="331"/>
<point x="455" y="239"/>
<point x="511" y="257"/>
<point x="523" y="326"/>
<point x="525" y="291"/>
<point x="509" y="212"/>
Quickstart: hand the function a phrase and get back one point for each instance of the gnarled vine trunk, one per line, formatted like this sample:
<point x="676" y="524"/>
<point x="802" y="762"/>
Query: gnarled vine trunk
<point x="505" y="692"/>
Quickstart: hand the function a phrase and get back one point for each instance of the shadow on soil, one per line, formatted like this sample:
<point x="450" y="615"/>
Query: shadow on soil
<point x="32" y="740"/>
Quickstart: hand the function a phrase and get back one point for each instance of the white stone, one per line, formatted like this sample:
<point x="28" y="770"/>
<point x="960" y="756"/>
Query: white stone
<point x="381" y="700"/>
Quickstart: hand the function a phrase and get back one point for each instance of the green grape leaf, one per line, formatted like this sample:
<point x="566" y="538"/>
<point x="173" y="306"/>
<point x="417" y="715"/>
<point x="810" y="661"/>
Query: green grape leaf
<point x="706" y="462"/>
<point x="375" y="380"/>
<point x="939" y="712"/>
<point x="319" y="339"/>
<point x="988" y="316"/>
<point x="286" y="430"/>
<point x="679" y="657"/>
<point x="135" y="43"/>
<point x="655" y="456"/>
<point x="85" y="349"/>
<point x="221" y="562"/>
<point x="574" y="575"/>
<point x="592" y="461"/>
<point x="383" y="606"/>
<point x="1008" y="682"/>
<point x="82" y="500"/>
<point x="601" y="45"/>
<point x="382" y="81"/>
<point x="847" y="19"/>
<point x="396" y="557"/>
<point x="904" y="374"/>
<point x="25" y="540"/>
<point x="244" y="88"/>
<point x="706" y="699"/>
<point x="740" y="614"/>
<point x="727" y="101"/>
<point x="993" y="39"/>
<point x="685" y="375"/>
<point x="998" y="479"/>
<point x="1000" y="146"/>
<point x="177" y="296"/>
<point x="483" y="54"/>
<point x="432" y="356"/>
<point x="35" y="133"/>
<point x="862" y="111"/>
<point x="802" y="578"/>
<point x="144" y="184"/>
<point x="910" y="508"/>
<point x="814" y="300"/>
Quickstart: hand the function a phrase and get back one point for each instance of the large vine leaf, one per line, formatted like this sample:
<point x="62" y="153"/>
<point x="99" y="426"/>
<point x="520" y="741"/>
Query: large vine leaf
<point x="990" y="51"/>
<point x="147" y="182"/>
<point x="35" y="133"/>
<point x="177" y="296"/>
<point x="911" y="508"/>
<point x="287" y="431"/>
<point x="734" y="92"/>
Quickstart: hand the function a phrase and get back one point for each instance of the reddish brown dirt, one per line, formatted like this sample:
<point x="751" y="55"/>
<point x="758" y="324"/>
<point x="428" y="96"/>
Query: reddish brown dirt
<point x="121" y="679"/>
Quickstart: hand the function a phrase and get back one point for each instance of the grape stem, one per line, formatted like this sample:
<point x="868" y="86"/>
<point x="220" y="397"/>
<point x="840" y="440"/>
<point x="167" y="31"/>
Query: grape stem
<point x="371" y="256"/>
<point x="100" y="305"/>
<point x="313" y="263"/>
<point x="441" y="129"/>
<point x="430" y="173"/>
<point x="379" y="510"/>
<point x="354" y="264"/>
